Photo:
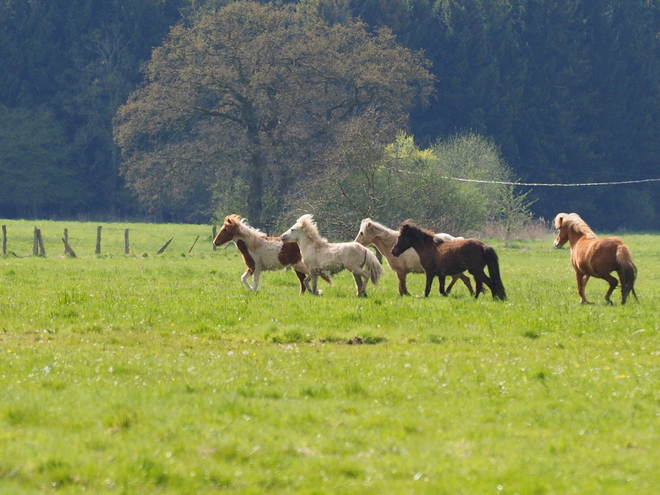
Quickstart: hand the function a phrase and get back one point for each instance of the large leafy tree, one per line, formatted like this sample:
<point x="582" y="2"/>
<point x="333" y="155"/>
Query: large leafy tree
<point x="252" y="96"/>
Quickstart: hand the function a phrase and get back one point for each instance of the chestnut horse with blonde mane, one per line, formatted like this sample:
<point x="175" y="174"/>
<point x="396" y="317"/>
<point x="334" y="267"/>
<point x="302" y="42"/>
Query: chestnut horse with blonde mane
<point x="592" y="256"/>
<point x="442" y="258"/>
<point x="326" y="258"/>
<point x="261" y="252"/>
<point x="384" y="238"/>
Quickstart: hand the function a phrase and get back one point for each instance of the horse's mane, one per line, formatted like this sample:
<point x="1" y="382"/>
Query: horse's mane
<point x="242" y="226"/>
<point x="417" y="231"/>
<point x="377" y="227"/>
<point x="308" y="226"/>
<point x="574" y="222"/>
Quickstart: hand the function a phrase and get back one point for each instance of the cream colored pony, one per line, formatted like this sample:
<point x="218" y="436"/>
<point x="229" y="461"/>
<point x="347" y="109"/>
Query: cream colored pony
<point x="385" y="238"/>
<point x="324" y="258"/>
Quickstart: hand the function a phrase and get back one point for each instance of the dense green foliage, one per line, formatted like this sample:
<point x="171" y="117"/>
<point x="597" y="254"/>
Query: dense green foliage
<point x="162" y="374"/>
<point x="394" y="182"/>
<point x="569" y="90"/>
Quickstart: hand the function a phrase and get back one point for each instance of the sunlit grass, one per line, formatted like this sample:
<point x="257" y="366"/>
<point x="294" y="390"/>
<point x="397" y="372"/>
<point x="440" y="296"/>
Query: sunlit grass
<point x="161" y="373"/>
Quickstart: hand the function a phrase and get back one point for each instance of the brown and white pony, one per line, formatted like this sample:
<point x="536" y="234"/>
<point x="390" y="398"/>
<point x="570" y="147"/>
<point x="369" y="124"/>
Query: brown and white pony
<point x="592" y="256"/>
<point x="325" y="258"/>
<point x="384" y="239"/>
<point x="261" y="252"/>
<point x="442" y="258"/>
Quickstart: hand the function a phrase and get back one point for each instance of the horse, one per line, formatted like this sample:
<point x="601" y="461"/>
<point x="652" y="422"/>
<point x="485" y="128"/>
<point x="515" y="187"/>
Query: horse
<point x="325" y="258"/>
<point x="384" y="238"/>
<point x="441" y="258"/>
<point x="261" y="252"/>
<point x="592" y="256"/>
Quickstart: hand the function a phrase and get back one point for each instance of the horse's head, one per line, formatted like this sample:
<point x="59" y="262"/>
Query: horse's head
<point x="571" y="227"/>
<point x="406" y="239"/>
<point x="294" y="233"/>
<point x="228" y="231"/>
<point x="562" y="231"/>
<point x="366" y="234"/>
<point x="304" y="228"/>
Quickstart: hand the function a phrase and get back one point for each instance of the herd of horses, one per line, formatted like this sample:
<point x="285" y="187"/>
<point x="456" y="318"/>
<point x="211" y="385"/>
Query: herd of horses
<point x="413" y="249"/>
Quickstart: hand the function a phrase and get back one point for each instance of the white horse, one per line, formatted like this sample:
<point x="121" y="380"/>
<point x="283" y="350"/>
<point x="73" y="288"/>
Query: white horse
<point x="261" y="252"/>
<point x="324" y="258"/>
<point x="384" y="238"/>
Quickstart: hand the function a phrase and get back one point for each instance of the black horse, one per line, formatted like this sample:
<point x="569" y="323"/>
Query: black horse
<point x="445" y="258"/>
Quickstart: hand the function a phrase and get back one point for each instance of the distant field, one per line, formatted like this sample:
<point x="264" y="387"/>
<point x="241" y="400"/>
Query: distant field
<point x="155" y="373"/>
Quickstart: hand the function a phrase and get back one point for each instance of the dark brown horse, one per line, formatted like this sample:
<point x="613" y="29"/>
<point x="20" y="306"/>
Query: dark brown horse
<point x="261" y="252"/>
<point x="445" y="258"/>
<point x="596" y="257"/>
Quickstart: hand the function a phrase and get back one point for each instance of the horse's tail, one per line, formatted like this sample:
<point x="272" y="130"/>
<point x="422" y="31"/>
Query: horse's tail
<point x="627" y="272"/>
<point x="492" y="262"/>
<point x="373" y="266"/>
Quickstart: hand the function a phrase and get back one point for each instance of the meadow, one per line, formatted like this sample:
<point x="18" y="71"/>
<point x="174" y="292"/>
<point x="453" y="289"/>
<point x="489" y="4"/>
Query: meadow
<point x="161" y="373"/>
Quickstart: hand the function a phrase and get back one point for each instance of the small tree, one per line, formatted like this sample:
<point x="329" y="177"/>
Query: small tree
<point x="400" y="181"/>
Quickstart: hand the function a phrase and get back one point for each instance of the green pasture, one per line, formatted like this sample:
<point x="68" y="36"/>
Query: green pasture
<point x="148" y="373"/>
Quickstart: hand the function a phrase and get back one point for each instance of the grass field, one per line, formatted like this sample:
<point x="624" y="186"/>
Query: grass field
<point x="161" y="374"/>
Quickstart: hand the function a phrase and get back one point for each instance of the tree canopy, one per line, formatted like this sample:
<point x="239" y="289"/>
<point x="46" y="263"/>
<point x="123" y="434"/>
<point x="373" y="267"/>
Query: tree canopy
<point x="256" y="93"/>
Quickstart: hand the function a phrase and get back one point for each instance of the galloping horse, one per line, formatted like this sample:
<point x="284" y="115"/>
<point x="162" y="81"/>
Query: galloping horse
<point x="441" y="258"/>
<point x="596" y="257"/>
<point x="384" y="239"/>
<point x="261" y="252"/>
<point x="325" y="258"/>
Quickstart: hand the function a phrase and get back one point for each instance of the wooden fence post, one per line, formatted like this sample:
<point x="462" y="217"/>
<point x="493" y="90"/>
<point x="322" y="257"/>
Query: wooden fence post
<point x="98" y="239"/>
<point x="215" y="232"/>
<point x="38" y="244"/>
<point x="35" y="244"/>
<point x="127" y="246"/>
<point x="4" y="240"/>
<point x="67" y="248"/>
<point x="160" y="251"/>
<point x="191" y="247"/>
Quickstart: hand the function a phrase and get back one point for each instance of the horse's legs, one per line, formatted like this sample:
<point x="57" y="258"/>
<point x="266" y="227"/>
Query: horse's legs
<point x="361" y="284"/>
<point x="429" y="283"/>
<point x="464" y="278"/>
<point x="403" y="290"/>
<point x="466" y="281"/>
<point x="480" y="278"/>
<point x="301" y="277"/>
<point x="452" y="281"/>
<point x="582" y="280"/>
<point x="441" y="283"/>
<point x="312" y="284"/>
<point x="613" y="283"/>
<point x="245" y="277"/>
<point x="307" y="284"/>
<point x="255" y="278"/>
<point x="479" y="287"/>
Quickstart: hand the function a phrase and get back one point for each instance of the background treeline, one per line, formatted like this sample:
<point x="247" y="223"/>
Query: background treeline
<point x="567" y="89"/>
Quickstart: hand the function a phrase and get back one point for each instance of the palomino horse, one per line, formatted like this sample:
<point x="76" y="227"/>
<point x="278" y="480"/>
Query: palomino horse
<point x="261" y="252"/>
<point x="325" y="258"/>
<point x="596" y="257"/>
<point x="441" y="258"/>
<point x="408" y="262"/>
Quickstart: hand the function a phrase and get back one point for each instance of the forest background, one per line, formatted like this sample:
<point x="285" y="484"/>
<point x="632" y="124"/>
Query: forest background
<point x="567" y="90"/>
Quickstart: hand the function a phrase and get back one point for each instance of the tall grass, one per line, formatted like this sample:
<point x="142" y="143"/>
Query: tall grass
<point x="161" y="373"/>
